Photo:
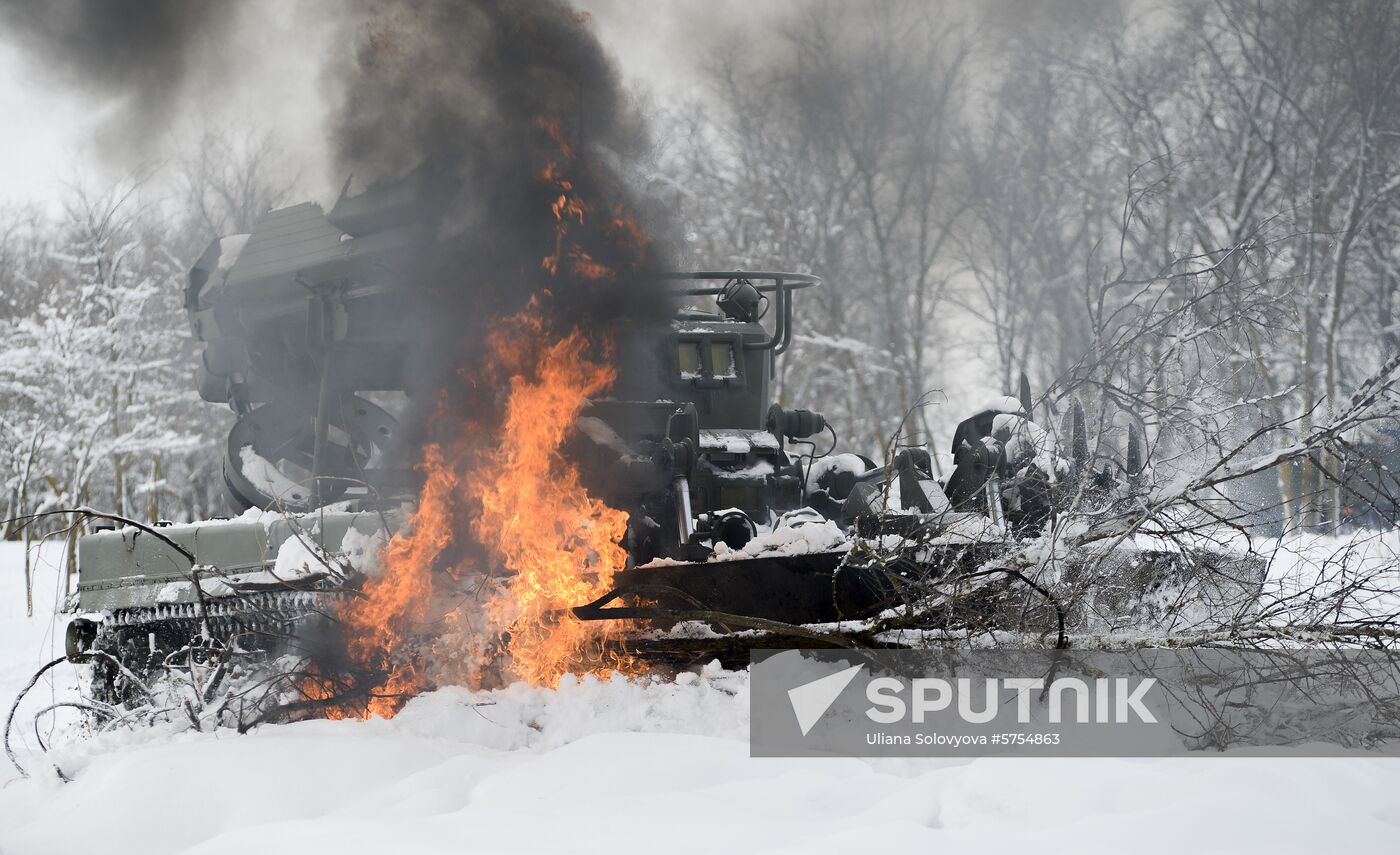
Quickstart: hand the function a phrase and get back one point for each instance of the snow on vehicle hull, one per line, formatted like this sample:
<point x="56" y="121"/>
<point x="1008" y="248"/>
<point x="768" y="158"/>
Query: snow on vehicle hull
<point x="255" y="582"/>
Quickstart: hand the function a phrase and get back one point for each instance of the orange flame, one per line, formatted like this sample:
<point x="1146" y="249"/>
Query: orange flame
<point x="530" y="512"/>
<point x="394" y="606"/>
<point x="561" y="544"/>
<point x="511" y="487"/>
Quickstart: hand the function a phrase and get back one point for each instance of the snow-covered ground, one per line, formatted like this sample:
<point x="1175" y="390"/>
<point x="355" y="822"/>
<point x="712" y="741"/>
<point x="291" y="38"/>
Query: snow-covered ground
<point x="26" y="643"/>
<point x="616" y="767"/>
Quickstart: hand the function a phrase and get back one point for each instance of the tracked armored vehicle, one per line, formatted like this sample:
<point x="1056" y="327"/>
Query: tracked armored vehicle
<point x="297" y="326"/>
<point x="735" y="520"/>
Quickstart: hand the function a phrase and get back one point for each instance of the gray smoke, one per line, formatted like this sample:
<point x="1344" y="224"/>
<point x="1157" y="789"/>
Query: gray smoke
<point x="467" y="103"/>
<point x="458" y="88"/>
<point x="138" y="52"/>
<point x="448" y="98"/>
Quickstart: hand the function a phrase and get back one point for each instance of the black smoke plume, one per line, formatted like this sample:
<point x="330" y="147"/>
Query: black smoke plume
<point x="140" y="53"/>
<point x="459" y="104"/>
<point x="468" y="103"/>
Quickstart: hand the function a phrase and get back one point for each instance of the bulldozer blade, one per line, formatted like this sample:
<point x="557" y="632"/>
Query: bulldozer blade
<point x="794" y="589"/>
<point x="1150" y="593"/>
<point x="977" y="585"/>
<point x="813" y="588"/>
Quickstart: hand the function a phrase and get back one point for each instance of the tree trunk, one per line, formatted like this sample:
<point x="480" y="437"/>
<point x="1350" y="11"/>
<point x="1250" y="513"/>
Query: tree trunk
<point x="1308" y="480"/>
<point x="118" y="468"/>
<point x="1335" y="296"/>
<point x="153" y="495"/>
<point x="71" y="562"/>
<point x="28" y="574"/>
<point x="1288" y="493"/>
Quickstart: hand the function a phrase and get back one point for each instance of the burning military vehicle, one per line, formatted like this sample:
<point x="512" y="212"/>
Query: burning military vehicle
<point x="659" y="508"/>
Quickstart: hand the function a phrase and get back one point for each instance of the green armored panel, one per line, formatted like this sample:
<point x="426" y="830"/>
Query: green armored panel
<point x="129" y="568"/>
<point x="722" y="367"/>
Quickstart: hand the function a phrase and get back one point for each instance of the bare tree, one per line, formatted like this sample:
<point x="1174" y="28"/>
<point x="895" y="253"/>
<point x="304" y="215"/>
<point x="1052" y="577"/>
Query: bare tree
<point x="835" y="151"/>
<point x="227" y="179"/>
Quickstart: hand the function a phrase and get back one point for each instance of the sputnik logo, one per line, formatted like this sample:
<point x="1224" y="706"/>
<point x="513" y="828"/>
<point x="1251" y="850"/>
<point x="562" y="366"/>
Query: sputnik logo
<point x="810" y="701"/>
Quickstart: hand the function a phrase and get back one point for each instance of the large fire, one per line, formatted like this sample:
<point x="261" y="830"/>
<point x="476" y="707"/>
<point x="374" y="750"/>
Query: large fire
<point x="560" y="545"/>
<point x="397" y="603"/>
<point x="508" y="490"/>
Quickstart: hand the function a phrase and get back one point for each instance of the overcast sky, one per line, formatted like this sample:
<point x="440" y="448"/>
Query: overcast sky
<point x="54" y="133"/>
